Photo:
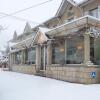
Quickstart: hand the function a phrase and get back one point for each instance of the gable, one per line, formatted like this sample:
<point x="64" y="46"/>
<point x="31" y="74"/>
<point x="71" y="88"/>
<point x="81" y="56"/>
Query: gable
<point x="69" y="11"/>
<point x="40" y="38"/>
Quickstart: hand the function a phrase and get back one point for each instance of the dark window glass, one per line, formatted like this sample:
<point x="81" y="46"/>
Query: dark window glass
<point x="94" y="12"/>
<point x="31" y="56"/>
<point x="75" y="50"/>
<point x="95" y="50"/>
<point x="18" y="57"/>
<point x="58" y="52"/>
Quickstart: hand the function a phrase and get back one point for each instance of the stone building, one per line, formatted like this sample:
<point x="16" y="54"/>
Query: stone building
<point x="65" y="47"/>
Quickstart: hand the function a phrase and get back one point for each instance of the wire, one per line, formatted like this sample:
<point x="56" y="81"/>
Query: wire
<point x="18" y="18"/>
<point x="19" y="11"/>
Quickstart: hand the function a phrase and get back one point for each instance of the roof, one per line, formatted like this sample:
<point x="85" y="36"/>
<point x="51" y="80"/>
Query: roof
<point x="76" y="23"/>
<point x="41" y="36"/>
<point x="43" y="30"/>
<point x="61" y="7"/>
<point x="85" y="2"/>
<point x="30" y="39"/>
<point x="64" y="4"/>
<point x="24" y="43"/>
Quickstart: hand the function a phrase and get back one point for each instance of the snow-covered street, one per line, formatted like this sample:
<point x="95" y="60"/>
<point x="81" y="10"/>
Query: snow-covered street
<point x="16" y="86"/>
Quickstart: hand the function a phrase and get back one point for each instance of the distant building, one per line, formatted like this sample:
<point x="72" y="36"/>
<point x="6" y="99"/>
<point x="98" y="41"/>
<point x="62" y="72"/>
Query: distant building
<point x="65" y="47"/>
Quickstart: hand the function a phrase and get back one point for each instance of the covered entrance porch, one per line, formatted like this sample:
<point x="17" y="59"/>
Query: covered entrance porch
<point x="75" y="51"/>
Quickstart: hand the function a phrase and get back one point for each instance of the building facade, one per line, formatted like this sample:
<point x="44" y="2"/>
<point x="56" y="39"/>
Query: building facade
<point x="65" y="47"/>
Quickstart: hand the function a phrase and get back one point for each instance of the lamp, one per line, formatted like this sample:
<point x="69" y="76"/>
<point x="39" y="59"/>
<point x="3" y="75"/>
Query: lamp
<point x="62" y="50"/>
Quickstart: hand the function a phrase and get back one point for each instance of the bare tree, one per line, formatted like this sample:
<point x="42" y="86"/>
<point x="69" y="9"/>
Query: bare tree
<point x="2" y="28"/>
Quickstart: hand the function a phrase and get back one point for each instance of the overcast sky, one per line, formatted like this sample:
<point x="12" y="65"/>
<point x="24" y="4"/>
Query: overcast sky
<point x="36" y="15"/>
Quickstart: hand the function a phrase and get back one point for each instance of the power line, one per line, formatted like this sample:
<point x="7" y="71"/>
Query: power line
<point x="22" y="10"/>
<point x="18" y="18"/>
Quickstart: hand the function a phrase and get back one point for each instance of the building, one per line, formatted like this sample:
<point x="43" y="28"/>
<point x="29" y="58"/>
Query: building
<point x="65" y="47"/>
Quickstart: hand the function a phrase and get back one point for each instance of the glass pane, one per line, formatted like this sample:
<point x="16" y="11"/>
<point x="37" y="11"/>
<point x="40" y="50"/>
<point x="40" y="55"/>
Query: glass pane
<point x="18" y="57"/>
<point x="58" y="53"/>
<point x="31" y="56"/>
<point x="75" y="50"/>
<point x="94" y="12"/>
<point x="95" y="51"/>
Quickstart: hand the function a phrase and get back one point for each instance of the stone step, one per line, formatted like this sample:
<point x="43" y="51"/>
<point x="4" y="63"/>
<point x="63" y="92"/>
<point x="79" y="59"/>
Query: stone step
<point x="40" y="73"/>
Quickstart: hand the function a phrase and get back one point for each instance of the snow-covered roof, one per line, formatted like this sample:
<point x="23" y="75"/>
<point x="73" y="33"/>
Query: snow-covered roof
<point x="41" y="37"/>
<point x="65" y="3"/>
<point x="43" y="30"/>
<point x="24" y="43"/>
<point x="12" y="44"/>
<point x="76" y="23"/>
<point x="85" y="2"/>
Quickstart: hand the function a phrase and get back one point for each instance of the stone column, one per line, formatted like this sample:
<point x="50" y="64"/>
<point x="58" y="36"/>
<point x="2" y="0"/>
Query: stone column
<point x="23" y="56"/>
<point x="38" y="57"/>
<point x="87" y="49"/>
<point x="65" y="51"/>
<point x="22" y="59"/>
<point x="99" y="12"/>
<point x="49" y="53"/>
<point x="13" y="58"/>
<point x="9" y="61"/>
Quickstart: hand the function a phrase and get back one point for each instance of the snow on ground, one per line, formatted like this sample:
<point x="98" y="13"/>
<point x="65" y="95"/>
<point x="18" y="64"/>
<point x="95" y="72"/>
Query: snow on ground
<point x="16" y="86"/>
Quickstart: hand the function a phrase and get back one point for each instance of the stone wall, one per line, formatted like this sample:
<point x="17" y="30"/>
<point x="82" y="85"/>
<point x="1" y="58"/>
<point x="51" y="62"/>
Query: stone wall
<point x="70" y="73"/>
<point x="73" y="73"/>
<point x="27" y="69"/>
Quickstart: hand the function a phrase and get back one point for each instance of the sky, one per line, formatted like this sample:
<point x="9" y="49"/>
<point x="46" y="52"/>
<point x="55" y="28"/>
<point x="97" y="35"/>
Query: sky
<point x="35" y="16"/>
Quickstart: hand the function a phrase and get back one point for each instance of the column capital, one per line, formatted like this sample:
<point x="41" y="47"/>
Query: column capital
<point x="49" y="42"/>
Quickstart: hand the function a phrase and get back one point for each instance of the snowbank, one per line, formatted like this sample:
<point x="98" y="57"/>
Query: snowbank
<point x="16" y="86"/>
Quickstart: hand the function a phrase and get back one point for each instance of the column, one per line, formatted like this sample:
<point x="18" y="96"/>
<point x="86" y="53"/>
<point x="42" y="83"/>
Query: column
<point x="13" y="58"/>
<point x="99" y="12"/>
<point x="23" y="57"/>
<point x="38" y="57"/>
<point x="49" y="53"/>
<point x="87" y="49"/>
<point x="9" y="61"/>
<point x="65" y="51"/>
<point x="44" y="57"/>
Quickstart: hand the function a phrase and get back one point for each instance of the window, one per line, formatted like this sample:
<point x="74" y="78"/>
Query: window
<point x="94" y="12"/>
<point x="18" y="57"/>
<point x="75" y="50"/>
<point x="31" y="56"/>
<point x="69" y="20"/>
<point x="95" y="50"/>
<point x="69" y="51"/>
<point x="58" y="53"/>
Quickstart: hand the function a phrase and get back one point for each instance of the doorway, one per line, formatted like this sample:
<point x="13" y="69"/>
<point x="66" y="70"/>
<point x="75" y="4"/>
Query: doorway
<point x="43" y="57"/>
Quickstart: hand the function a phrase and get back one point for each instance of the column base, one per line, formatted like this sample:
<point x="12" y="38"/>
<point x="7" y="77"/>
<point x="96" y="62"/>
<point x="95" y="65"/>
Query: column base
<point x="89" y="63"/>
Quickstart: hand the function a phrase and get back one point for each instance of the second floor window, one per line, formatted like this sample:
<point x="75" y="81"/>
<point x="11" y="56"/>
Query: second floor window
<point x="69" y="20"/>
<point x="94" y="12"/>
